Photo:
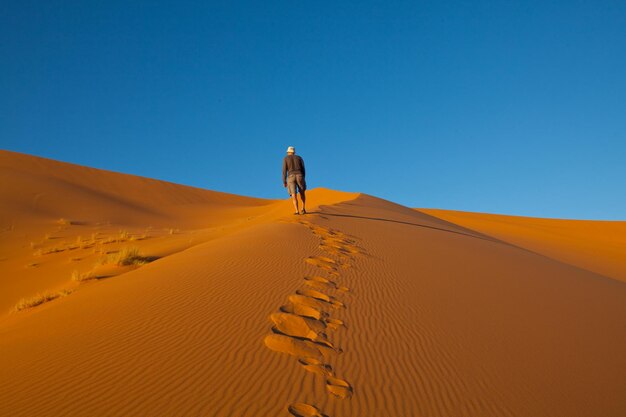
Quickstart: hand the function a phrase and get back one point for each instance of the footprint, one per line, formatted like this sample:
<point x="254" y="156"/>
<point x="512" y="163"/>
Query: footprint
<point x="334" y="323"/>
<point x="315" y="294"/>
<point x="334" y="250"/>
<point x="320" y="296"/>
<point x="322" y="262"/>
<point x="305" y="410"/>
<point x="306" y="301"/>
<point x="316" y="366"/>
<point x="317" y="284"/>
<point x="322" y="342"/>
<point x="321" y="282"/>
<point x="337" y="239"/>
<point x="341" y="244"/>
<point x="337" y="243"/>
<point x="304" y="311"/>
<point x="319" y="279"/>
<point x="318" y="230"/>
<point x="338" y="387"/>
<point x="293" y="325"/>
<point x="353" y="249"/>
<point x="325" y="347"/>
<point x="325" y="259"/>
<point x="337" y="234"/>
<point x="292" y="346"/>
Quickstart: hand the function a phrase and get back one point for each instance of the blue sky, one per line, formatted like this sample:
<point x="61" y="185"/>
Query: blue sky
<point x="514" y="107"/>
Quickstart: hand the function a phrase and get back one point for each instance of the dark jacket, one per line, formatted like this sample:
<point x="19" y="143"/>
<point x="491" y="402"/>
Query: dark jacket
<point x="293" y="164"/>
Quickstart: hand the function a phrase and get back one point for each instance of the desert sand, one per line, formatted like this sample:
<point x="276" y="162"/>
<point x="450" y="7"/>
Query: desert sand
<point x="598" y="246"/>
<point x="232" y="306"/>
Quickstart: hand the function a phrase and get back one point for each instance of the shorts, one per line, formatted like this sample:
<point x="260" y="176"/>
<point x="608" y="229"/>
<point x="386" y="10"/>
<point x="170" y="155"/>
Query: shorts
<point x="295" y="184"/>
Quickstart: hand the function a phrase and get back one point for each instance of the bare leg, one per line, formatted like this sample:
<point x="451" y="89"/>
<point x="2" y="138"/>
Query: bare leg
<point x="303" y="198"/>
<point x="294" y="199"/>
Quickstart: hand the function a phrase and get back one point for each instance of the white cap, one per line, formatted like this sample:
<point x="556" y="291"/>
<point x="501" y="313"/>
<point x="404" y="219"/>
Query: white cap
<point x="291" y="149"/>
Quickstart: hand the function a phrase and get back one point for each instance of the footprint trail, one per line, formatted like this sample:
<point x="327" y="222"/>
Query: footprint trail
<point x="301" y="327"/>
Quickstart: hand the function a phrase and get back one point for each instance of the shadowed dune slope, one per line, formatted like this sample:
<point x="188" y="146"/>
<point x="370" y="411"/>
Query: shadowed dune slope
<point x="36" y="189"/>
<point x="362" y="308"/>
<point x="598" y="246"/>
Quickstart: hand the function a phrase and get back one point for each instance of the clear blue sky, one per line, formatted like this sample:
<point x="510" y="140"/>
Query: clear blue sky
<point x="512" y="107"/>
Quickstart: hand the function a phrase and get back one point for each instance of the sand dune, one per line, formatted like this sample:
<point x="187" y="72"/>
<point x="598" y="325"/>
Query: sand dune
<point x="598" y="246"/>
<point x="362" y="308"/>
<point x="57" y="218"/>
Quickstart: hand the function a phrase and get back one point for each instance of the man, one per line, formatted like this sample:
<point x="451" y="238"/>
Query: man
<point x="293" y="177"/>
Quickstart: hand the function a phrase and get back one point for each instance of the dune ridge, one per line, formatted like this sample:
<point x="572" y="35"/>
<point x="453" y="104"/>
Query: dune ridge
<point x="371" y="309"/>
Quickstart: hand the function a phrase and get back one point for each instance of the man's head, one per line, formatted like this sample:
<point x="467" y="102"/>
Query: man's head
<point x="291" y="150"/>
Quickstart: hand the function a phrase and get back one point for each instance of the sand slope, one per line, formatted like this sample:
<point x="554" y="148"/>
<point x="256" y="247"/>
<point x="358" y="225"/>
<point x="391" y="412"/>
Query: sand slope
<point x="598" y="246"/>
<point x="362" y="308"/>
<point x="57" y="217"/>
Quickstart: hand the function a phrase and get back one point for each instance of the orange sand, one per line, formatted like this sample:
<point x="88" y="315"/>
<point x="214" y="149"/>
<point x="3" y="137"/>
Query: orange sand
<point x="598" y="246"/>
<point x="362" y="308"/>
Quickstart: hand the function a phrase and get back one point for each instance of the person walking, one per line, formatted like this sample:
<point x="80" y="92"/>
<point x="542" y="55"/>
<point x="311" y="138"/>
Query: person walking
<point x="293" y="178"/>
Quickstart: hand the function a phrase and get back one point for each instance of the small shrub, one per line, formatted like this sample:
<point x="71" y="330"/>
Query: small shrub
<point x="40" y="298"/>
<point x="36" y="300"/>
<point x="125" y="257"/>
<point x="64" y="222"/>
<point x="78" y="277"/>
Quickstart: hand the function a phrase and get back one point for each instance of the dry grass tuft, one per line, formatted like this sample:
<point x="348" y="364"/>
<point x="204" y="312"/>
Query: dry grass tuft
<point x="39" y="299"/>
<point x="78" y="277"/>
<point x="125" y="257"/>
